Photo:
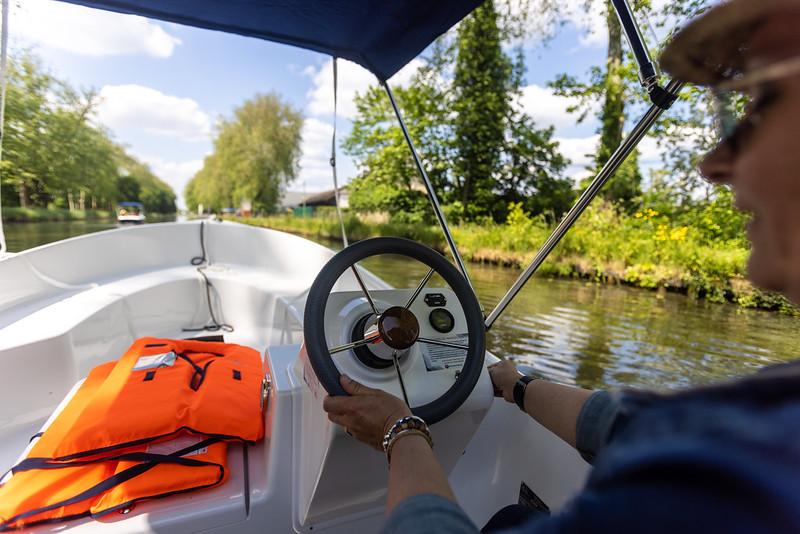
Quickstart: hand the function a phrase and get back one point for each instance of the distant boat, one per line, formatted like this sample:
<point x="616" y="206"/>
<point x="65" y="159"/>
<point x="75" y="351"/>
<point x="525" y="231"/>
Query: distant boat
<point x="130" y="213"/>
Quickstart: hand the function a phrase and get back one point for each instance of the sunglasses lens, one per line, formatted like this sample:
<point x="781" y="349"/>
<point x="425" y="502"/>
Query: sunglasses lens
<point x="726" y="113"/>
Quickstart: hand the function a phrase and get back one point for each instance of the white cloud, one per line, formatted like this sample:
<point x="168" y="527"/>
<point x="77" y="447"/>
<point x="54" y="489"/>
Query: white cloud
<point x="352" y="79"/>
<point x="649" y="153"/>
<point x="136" y="107"/>
<point x="90" y="32"/>
<point x="591" y="23"/>
<point x="176" y="173"/>
<point x="580" y="151"/>
<point x="315" y="168"/>
<point x="548" y="109"/>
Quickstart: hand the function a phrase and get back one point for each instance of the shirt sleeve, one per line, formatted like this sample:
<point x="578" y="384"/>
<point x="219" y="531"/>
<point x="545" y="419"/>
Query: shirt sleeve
<point x="428" y="514"/>
<point x="595" y="422"/>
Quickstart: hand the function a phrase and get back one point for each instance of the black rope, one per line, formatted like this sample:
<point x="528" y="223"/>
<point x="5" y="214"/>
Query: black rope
<point x="201" y="263"/>
<point x="200" y="260"/>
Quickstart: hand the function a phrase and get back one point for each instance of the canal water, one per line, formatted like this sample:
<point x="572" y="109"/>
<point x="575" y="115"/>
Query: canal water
<point x="577" y="332"/>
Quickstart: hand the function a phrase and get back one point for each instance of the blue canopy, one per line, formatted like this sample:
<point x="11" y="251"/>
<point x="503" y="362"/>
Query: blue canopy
<point x="380" y="35"/>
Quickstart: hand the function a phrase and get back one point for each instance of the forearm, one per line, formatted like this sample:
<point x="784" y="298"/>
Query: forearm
<point x="556" y="407"/>
<point x="414" y="470"/>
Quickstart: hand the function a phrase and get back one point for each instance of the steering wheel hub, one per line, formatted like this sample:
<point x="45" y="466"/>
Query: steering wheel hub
<point x="398" y="327"/>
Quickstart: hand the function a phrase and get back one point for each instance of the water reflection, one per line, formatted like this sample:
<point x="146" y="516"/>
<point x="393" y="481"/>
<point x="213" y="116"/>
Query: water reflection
<point x="21" y="236"/>
<point x="613" y="336"/>
<point x="576" y="332"/>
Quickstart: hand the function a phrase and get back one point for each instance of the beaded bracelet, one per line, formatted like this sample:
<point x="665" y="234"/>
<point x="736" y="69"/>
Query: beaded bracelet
<point x="409" y="422"/>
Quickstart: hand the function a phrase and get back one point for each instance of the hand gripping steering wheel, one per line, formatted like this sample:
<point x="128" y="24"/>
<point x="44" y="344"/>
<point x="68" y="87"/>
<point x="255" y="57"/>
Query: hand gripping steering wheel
<point x="397" y="326"/>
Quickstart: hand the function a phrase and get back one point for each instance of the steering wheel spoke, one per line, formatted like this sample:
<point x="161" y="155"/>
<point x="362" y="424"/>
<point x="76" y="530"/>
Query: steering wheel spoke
<point x="373" y="337"/>
<point x="419" y="289"/>
<point x="400" y="377"/>
<point x="442" y="343"/>
<point x="364" y="290"/>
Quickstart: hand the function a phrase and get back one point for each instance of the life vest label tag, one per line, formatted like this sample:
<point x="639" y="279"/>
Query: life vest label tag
<point x="173" y="445"/>
<point x="155" y="361"/>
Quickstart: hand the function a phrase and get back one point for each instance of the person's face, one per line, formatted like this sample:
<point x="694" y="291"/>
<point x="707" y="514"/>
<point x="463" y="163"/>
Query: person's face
<point x="764" y="168"/>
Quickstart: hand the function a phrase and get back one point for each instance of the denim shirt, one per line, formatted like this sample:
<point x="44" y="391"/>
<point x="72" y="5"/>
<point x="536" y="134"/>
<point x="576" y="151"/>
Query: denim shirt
<point x="716" y="459"/>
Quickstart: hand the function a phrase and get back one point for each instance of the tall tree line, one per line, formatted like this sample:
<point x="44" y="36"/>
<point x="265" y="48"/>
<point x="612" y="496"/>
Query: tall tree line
<point x="55" y="156"/>
<point x="481" y="151"/>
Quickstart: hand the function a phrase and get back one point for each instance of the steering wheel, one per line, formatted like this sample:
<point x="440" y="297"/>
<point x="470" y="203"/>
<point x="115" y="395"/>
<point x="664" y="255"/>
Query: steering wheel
<point x="397" y="326"/>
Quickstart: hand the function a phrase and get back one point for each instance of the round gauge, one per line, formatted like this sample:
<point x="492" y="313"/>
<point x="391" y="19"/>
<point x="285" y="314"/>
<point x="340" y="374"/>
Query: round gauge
<point x="441" y="320"/>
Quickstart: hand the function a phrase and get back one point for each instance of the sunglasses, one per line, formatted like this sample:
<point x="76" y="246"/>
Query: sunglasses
<point x="735" y="121"/>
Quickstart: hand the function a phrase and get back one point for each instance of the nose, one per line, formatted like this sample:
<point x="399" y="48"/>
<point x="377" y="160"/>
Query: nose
<point x="717" y="165"/>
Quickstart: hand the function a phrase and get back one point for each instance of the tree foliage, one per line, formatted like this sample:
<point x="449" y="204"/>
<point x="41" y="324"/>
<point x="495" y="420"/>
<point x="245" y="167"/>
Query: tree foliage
<point x="482" y="86"/>
<point x="255" y="156"/>
<point x="54" y="155"/>
<point x="481" y="152"/>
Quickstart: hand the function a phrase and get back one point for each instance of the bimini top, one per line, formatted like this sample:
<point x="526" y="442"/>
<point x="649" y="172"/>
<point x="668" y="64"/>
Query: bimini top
<point x="380" y="35"/>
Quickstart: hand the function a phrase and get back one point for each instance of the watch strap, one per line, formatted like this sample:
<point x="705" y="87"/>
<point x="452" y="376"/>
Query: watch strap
<point x="519" y="390"/>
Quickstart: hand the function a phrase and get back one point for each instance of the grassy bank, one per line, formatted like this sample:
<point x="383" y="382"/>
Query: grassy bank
<point x="16" y="214"/>
<point x="642" y="250"/>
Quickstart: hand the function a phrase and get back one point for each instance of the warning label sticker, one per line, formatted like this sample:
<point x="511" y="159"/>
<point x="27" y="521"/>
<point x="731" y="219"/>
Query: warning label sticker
<point x="155" y="361"/>
<point x="438" y="357"/>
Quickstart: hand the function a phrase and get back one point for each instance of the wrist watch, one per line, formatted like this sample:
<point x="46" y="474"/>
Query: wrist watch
<point x="519" y="390"/>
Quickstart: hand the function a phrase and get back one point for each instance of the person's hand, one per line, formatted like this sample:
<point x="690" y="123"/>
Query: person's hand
<point x="367" y="414"/>
<point x="504" y="375"/>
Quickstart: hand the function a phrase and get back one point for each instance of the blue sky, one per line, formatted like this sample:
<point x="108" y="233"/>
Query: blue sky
<point x="164" y="86"/>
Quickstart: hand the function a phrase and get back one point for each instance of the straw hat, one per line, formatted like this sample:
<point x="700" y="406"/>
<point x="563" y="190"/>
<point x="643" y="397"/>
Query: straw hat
<point x="712" y="47"/>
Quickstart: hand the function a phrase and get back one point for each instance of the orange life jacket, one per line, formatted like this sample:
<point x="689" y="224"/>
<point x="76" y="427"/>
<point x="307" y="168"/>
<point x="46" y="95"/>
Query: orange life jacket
<point x="152" y="424"/>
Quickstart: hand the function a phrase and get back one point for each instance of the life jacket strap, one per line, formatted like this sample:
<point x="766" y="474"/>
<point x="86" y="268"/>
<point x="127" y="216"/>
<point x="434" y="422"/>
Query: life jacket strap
<point x="149" y="462"/>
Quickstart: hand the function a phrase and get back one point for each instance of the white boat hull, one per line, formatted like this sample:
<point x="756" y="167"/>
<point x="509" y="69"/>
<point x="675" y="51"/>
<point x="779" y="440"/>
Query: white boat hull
<point x="71" y="305"/>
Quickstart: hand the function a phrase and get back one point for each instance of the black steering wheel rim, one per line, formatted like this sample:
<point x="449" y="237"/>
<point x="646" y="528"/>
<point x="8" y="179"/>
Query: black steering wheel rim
<point x="314" y="320"/>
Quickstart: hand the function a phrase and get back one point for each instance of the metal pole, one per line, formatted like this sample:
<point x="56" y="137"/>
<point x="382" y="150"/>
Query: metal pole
<point x="437" y="209"/>
<point x="648" y="75"/>
<point x="3" y="83"/>
<point x="608" y="170"/>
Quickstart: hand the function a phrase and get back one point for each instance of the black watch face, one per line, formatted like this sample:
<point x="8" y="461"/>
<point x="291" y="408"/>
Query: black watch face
<point x="442" y="320"/>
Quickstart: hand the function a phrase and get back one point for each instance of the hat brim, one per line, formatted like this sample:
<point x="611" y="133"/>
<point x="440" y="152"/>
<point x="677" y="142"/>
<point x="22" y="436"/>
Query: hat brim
<point x="711" y="47"/>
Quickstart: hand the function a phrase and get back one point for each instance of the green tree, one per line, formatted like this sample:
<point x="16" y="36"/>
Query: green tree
<point x="625" y="187"/>
<point x="129" y="189"/>
<point x="138" y="183"/>
<point x="54" y="155"/>
<point x="388" y="179"/>
<point x="615" y="84"/>
<point x="255" y="156"/>
<point x="480" y="151"/>
<point x="482" y="85"/>
<point x="532" y="171"/>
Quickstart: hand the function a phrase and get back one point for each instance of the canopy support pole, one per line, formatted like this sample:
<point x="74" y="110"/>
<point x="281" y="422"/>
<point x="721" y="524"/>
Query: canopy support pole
<point x="648" y="75"/>
<point x="3" y="83"/>
<point x="617" y="158"/>
<point x="437" y="209"/>
<point x="333" y="157"/>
